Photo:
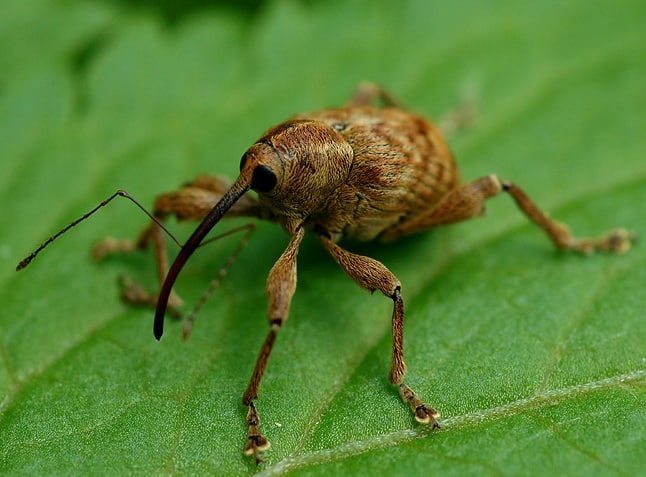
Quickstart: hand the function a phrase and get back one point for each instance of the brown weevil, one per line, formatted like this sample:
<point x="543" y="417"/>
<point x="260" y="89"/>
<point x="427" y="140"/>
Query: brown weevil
<point x="359" y="172"/>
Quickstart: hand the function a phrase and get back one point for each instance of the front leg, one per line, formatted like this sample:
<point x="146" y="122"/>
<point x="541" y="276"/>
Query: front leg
<point x="373" y="275"/>
<point x="281" y="285"/>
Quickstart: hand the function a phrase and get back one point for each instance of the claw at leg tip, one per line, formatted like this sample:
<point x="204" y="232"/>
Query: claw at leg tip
<point x="426" y="415"/>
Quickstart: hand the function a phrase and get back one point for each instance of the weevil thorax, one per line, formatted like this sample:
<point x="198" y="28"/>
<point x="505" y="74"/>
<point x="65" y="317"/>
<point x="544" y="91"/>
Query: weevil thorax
<point x="297" y="168"/>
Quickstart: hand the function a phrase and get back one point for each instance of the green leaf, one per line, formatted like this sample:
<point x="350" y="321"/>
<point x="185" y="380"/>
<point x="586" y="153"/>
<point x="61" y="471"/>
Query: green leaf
<point x="534" y="358"/>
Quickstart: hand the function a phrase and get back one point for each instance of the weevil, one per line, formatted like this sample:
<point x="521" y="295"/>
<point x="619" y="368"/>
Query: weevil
<point x="360" y="172"/>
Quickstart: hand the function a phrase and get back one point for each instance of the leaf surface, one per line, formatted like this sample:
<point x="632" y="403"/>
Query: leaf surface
<point x="535" y="358"/>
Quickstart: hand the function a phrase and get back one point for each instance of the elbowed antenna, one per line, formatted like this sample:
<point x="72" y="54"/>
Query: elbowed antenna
<point x="119" y="193"/>
<point x="237" y="190"/>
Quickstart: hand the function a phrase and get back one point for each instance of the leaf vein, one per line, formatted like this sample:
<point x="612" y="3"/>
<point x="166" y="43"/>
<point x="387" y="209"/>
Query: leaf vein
<point x="539" y="400"/>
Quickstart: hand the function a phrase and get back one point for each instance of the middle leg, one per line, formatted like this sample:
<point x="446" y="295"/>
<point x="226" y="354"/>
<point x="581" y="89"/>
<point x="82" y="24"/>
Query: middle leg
<point x="192" y="202"/>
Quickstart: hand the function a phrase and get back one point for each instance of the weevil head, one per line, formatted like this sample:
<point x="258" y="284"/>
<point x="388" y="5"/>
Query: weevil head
<point x="296" y="167"/>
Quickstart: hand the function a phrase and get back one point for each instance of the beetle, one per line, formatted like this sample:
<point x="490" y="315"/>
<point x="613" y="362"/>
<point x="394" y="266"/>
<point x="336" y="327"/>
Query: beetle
<point x="359" y="172"/>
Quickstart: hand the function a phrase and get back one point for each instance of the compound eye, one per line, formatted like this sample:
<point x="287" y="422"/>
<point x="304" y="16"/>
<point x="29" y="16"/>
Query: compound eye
<point x="263" y="179"/>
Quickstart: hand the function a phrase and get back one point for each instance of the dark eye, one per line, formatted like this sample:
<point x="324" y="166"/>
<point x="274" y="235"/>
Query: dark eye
<point x="263" y="179"/>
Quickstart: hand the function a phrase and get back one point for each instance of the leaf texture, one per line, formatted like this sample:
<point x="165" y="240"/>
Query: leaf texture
<point x="535" y="358"/>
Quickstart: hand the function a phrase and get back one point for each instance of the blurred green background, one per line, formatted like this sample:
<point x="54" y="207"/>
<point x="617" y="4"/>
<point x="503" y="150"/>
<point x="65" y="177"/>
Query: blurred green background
<point x="536" y="359"/>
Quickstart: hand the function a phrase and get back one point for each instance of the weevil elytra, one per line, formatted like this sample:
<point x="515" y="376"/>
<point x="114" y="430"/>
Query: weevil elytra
<point x="359" y="172"/>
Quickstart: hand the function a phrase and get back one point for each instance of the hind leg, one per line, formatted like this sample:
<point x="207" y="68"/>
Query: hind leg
<point x="468" y="200"/>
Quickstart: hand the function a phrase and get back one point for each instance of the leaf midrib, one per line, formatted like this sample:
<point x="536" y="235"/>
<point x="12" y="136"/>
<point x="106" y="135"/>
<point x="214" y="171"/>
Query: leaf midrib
<point x="536" y="401"/>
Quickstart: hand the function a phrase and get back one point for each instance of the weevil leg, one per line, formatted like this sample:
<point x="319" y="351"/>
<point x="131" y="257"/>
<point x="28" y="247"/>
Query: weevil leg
<point x="373" y="275"/>
<point x="464" y="202"/>
<point x="256" y="442"/>
<point x="215" y="283"/>
<point x="422" y="412"/>
<point x="468" y="200"/>
<point x="451" y="122"/>
<point x="459" y="118"/>
<point x="615" y="241"/>
<point x="191" y="202"/>
<point x="281" y="285"/>
<point x="367" y="93"/>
